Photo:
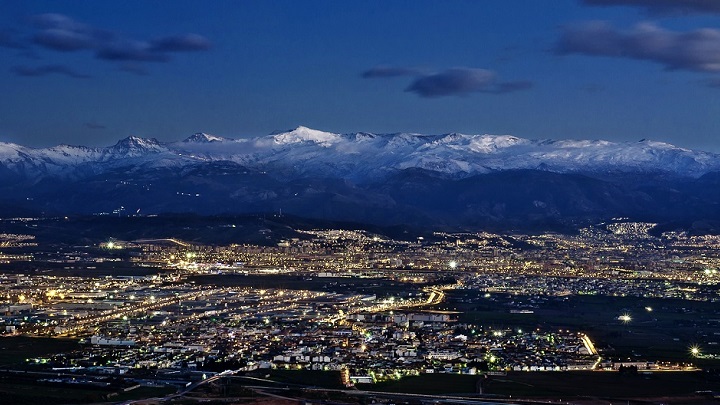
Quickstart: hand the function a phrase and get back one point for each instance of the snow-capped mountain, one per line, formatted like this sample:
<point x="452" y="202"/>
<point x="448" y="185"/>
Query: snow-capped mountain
<point x="201" y="137"/>
<point x="389" y="178"/>
<point x="133" y="146"/>
<point x="364" y="156"/>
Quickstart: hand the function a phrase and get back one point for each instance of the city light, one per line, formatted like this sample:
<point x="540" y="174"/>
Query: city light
<point x="695" y="351"/>
<point x="453" y="264"/>
<point x="625" y="318"/>
<point x="110" y="245"/>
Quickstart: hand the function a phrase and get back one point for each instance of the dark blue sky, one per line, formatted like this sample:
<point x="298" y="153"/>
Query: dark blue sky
<point x="91" y="72"/>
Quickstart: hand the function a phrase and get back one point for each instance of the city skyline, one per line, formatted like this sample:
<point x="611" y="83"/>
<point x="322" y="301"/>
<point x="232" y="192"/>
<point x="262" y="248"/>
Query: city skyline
<point x="92" y="73"/>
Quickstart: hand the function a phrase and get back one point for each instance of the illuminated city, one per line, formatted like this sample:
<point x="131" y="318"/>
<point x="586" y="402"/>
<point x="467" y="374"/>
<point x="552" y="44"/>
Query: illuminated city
<point x="164" y="312"/>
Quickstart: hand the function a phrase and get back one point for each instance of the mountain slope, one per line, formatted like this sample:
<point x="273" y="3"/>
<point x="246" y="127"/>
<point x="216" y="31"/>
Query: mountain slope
<point x="450" y="180"/>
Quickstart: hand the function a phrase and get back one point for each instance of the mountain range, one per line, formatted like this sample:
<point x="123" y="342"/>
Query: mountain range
<point x="449" y="181"/>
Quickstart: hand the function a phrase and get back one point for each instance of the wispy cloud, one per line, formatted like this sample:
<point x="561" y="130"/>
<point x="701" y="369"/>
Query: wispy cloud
<point x="180" y="43"/>
<point x="458" y="81"/>
<point x="45" y="70"/>
<point x="58" y="32"/>
<point x="390" y="71"/>
<point x="127" y="50"/>
<point x="697" y="50"/>
<point x="62" y="33"/>
<point x="450" y="82"/>
<point x="683" y="6"/>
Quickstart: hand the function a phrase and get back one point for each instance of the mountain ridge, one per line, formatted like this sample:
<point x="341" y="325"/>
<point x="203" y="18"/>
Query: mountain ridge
<point x="362" y="154"/>
<point x="448" y="181"/>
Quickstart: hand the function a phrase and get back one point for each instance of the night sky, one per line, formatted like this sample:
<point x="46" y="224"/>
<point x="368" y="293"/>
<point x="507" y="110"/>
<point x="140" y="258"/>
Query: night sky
<point x="92" y="72"/>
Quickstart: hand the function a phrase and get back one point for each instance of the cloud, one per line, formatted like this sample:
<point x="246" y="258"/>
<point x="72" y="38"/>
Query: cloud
<point x="27" y="71"/>
<point x="94" y="125"/>
<point x="181" y="43"/>
<point x="63" y="40"/>
<point x="683" y="6"/>
<point x="450" y="82"/>
<point x="389" y="71"/>
<point x="59" y="21"/>
<point x="463" y="81"/>
<point x="697" y="50"/>
<point x="152" y="51"/>
<point x="62" y="33"/>
<point x="137" y="51"/>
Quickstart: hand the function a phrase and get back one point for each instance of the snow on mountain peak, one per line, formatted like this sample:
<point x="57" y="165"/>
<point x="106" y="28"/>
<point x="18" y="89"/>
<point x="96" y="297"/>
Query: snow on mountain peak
<point x="201" y="137"/>
<point x="136" y="146"/>
<point x="492" y="143"/>
<point x="137" y="142"/>
<point x="304" y="151"/>
<point x="304" y="134"/>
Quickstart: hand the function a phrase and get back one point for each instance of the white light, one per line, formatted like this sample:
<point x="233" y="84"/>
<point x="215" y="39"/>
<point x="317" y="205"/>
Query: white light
<point x="453" y="264"/>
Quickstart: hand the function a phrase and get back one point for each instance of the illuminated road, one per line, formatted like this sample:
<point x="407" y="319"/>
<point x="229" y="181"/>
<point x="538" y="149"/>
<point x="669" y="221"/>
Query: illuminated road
<point x="74" y="326"/>
<point x="588" y="344"/>
<point x="435" y="297"/>
<point x="176" y="241"/>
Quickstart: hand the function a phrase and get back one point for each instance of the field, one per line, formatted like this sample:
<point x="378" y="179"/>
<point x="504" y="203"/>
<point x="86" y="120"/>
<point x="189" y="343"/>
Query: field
<point x="556" y="384"/>
<point x="322" y="379"/>
<point x="143" y="392"/>
<point x="664" y="333"/>
<point x="29" y="393"/>
<point x="380" y="287"/>
<point x="433" y="384"/>
<point x="78" y="269"/>
<point x="15" y="393"/>
<point x="599" y="384"/>
<point x="15" y="350"/>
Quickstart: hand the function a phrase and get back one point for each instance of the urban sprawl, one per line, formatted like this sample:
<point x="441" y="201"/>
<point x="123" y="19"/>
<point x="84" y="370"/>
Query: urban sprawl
<point x="176" y="324"/>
